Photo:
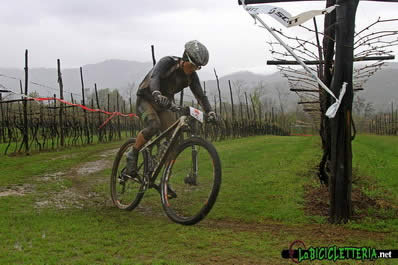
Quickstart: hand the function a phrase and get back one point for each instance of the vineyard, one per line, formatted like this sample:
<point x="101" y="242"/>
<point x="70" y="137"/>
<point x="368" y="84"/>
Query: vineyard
<point x="384" y="124"/>
<point x="30" y="123"/>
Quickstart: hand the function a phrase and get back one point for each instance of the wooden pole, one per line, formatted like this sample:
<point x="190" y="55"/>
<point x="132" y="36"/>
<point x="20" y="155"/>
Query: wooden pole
<point x="109" y="109"/>
<point x="247" y="107"/>
<point x="260" y="114"/>
<point x="219" y="91"/>
<point x="153" y="55"/>
<point x="54" y="125"/>
<point x="341" y="150"/>
<point x="61" y="109"/>
<point x="25" y="110"/>
<point x="324" y="97"/>
<point x="254" y="107"/>
<point x="241" y="110"/>
<point x="119" y="133"/>
<point x="99" y="113"/>
<point x="232" y="100"/>
<point x="84" y="104"/>
<point x="2" y="127"/>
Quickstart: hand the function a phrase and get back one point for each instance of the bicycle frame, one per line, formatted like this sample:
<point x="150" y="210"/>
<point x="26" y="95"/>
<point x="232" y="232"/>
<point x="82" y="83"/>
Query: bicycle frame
<point x="183" y="121"/>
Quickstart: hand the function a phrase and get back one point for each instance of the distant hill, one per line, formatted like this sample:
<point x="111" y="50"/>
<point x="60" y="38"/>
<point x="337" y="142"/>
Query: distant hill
<point x="108" y="74"/>
<point x="124" y="75"/>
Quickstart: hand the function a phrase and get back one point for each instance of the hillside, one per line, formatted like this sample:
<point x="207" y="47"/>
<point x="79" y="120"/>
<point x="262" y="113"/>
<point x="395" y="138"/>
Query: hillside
<point x="124" y="75"/>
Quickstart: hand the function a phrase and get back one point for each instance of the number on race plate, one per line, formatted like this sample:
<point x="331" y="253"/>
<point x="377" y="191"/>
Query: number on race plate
<point x="197" y="114"/>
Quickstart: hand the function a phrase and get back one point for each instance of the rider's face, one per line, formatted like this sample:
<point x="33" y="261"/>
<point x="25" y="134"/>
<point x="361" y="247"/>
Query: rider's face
<point x="189" y="68"/>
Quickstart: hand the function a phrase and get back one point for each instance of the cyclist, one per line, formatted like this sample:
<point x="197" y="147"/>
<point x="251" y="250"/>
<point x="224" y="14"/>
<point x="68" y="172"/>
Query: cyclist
<point x="156" y="92"/>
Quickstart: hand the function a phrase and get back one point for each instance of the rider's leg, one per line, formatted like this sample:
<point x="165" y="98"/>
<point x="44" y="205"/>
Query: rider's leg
<point x="152" y="125"/>
<point x="132" y="156"/>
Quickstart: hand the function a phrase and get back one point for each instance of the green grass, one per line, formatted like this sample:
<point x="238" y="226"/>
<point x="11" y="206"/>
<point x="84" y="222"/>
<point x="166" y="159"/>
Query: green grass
<point x="265" y="177"/>
<point x="375" y="164"/>
<point x="18" y="170"/>
<point x="258" y="213"/>
<point x="378" y="157"/>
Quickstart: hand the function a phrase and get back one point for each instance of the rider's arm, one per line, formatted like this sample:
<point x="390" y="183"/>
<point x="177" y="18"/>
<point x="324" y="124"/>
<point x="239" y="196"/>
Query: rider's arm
<point x="197" y="90"/>
<point x="160" y="70"/>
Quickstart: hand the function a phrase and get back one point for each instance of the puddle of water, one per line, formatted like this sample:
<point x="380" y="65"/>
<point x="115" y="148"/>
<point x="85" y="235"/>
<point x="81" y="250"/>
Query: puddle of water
<point x="52" y="177"/>
<point x="63" y="157"/>
<point x="92" y="167"/>
<point x="63" y="200"/>
<point x="109" y="153"/>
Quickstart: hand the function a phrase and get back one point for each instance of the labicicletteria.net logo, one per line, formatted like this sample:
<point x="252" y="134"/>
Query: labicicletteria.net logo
<point x="298" y="252"/>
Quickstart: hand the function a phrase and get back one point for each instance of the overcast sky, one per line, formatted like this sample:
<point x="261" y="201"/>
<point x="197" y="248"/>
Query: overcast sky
<point x="90" y="31"/>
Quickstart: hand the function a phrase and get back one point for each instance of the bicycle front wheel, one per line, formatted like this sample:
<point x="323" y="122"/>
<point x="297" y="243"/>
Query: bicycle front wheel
<point x="191" y="181"/>
<point x="127" y="191"/>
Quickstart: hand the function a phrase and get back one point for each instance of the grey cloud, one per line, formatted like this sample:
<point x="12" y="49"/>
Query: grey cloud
<point x="24" y="11"/>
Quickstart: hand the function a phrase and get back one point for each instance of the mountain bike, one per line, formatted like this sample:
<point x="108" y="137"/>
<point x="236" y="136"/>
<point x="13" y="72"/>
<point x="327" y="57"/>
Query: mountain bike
<point x="191" y="176"/>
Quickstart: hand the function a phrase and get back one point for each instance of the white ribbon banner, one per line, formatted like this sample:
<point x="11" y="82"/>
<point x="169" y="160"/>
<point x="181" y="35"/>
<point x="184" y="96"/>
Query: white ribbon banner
<point x="332" y="110"/>
<point x="287" y="20"/>
<point x="280" y="14"/>
<point x="284" y="17"/>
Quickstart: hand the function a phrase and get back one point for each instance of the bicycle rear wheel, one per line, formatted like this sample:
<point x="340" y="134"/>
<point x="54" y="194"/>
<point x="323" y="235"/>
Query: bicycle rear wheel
<point x="127" y="191"/>
<point x="193" y="178"/>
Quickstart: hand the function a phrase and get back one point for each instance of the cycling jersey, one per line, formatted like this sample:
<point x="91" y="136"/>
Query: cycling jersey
<point x="168" y="78"/>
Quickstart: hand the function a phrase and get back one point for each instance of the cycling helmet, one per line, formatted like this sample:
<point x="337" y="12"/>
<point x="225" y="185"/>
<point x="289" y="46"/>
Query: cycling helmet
<point x="196" y="53"/>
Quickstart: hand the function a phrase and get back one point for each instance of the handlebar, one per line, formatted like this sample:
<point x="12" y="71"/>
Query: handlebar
<point x="184" y="110"/>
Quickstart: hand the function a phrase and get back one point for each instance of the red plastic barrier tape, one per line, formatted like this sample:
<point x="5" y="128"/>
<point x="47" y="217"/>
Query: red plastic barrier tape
<point x="113" y="114"/>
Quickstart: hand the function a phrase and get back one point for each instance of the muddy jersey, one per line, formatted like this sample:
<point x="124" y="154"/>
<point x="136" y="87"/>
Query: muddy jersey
<point x="168" y="78"/>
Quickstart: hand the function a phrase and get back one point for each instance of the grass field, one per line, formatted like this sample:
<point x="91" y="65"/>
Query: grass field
<point x="55" y="207"/>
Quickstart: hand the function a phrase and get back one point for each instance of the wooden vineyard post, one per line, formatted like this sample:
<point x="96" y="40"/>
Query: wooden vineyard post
<point x="219" y="91"/>
<point x="99" y="114"/>
<point x="247" y="108"/>
<point x="2" y="125"/>
<point x="84" y="111"/>
<point x="25" y="110"/>
<point x="61" y="107"/>
<point x="232" y="125"/>
<point x="54" y="123"/>
<point x="232" y="101"/>
<point x="131" y="123"/>
<point x="340" y="179"/>
<point x="254" y="108"/>
<point x="153" y="55"/>
<point x="119" y="133"/>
